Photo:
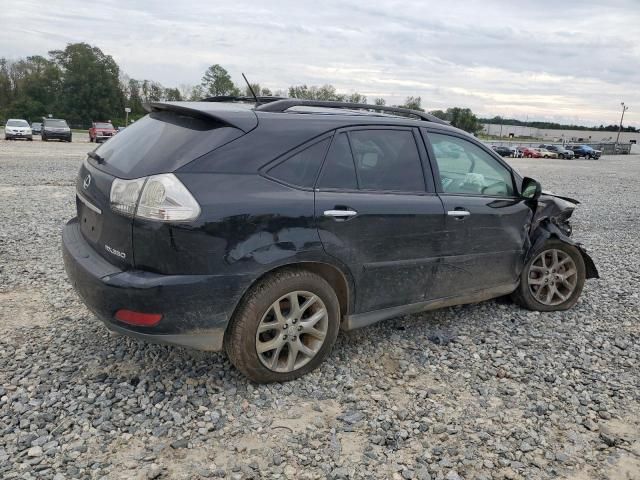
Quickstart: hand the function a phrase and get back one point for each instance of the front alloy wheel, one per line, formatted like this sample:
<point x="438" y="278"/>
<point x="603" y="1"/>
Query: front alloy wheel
<point x="553" y="279"/>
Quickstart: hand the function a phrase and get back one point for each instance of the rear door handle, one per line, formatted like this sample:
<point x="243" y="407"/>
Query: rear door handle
<point x="340" y="213"/>
<point x="458" y="213"/>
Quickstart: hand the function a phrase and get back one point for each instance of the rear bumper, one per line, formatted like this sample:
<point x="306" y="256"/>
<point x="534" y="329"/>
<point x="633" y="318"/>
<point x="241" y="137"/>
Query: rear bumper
<point x="195" y="308"/>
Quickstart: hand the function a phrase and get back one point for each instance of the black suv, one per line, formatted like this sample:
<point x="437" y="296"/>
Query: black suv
<point x="264" y="229"/>
<point x="55" y="129"/>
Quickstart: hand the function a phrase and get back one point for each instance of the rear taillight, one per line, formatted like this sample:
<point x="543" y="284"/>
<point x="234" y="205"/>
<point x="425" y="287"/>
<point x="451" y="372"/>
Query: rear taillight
<point x="158" y="197"/>
<point x="138" y="319"/>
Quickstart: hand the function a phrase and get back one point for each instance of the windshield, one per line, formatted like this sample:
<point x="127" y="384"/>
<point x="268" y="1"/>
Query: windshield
<point x="36" y="124"/>
<point x="17" y="123"/>
<point x="103" y="125"/>
<point x="55" y="123"/>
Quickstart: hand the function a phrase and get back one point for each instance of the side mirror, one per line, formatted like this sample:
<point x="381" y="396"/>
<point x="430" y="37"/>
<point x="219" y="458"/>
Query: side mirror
<point x="531" y="189"/>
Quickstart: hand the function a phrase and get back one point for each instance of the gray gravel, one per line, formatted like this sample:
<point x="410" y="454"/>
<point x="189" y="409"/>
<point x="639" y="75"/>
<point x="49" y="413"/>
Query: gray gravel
<point x="509" y="394"/>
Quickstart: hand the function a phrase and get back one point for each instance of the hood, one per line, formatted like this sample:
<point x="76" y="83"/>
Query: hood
<point x="568" y="199"/>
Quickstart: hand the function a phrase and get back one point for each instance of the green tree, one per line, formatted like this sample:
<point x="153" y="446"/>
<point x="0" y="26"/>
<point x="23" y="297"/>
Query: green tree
<point x="439" y="113"/>
<point x="413" y="103"/>
<point x="172" y="95"/>
<point x="90" y="88"/>
<point x="324" y="93"/>
<point x="217" y="81"/>
<point x="256" y="89"/>
<point x="380" y="101"/>
<point x="464" y="119"/>
<point x="197" y="93"/>
<point x="357" y="98"/>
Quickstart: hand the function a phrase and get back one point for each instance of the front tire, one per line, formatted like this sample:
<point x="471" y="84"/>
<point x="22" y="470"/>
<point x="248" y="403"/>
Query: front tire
<point x="284" y="327"/>
<point x="552" y="279"/>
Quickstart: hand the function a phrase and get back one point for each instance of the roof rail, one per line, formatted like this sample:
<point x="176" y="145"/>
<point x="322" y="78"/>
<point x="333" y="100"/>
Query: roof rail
<point x="284" y="104"/>
<point x="241" y="98"/>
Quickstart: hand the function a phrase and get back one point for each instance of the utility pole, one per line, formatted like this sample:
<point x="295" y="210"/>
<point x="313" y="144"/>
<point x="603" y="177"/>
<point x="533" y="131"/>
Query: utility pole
<point x="624" y="109"/>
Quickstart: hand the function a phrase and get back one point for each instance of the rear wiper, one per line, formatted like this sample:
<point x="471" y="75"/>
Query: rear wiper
<point x="96" y="157"/>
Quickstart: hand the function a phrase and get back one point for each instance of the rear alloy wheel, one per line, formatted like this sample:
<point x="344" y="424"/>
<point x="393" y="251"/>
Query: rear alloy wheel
<point x="284" y="327"/>
<point x="292" y="331"/>
<point x="553" y="279"/>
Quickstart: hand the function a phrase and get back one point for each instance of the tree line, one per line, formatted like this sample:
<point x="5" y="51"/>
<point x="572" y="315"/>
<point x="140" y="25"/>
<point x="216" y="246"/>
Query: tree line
<point x="82" y="84"/>
<point x="497" y="120"/>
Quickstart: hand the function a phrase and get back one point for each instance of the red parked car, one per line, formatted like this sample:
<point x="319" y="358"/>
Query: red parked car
<point x="529" y="152"/>
<point x="101" y="131"/>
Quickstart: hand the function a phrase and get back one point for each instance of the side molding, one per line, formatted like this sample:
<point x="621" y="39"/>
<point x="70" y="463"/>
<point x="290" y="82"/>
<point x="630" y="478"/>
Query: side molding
<point x="359" y="320"/>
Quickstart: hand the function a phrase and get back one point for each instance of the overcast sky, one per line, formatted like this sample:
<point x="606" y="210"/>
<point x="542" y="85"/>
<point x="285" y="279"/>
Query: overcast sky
<point x="556" y="60"/>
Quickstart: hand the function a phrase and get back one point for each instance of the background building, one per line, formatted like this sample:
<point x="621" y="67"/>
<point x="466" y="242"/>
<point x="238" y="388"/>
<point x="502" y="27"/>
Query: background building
<point x="551" y="135"/>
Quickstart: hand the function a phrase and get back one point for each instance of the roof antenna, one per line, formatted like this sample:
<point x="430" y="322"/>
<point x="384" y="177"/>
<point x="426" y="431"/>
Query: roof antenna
<point x="251" y="90"/>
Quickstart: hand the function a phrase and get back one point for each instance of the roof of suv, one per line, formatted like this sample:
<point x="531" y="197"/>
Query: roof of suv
<point x="245" y="116"/>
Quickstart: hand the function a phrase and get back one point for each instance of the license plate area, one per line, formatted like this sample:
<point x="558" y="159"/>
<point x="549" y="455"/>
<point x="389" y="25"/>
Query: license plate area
<point x="90" y="223"/>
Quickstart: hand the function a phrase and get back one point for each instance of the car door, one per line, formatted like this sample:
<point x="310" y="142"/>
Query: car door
<point x="486" y="220"/>
<point x="378" y="213"/>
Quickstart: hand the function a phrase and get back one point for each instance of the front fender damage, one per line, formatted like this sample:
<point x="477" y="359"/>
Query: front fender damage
<point x="551" y="221"/>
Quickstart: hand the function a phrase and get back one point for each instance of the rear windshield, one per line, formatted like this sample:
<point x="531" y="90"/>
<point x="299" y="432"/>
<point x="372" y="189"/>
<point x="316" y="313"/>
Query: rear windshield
<point x="162" y="142"/>
<point x="55" y="123"/>
<point x="17" y="123"/>
<point x="103" y="125"/>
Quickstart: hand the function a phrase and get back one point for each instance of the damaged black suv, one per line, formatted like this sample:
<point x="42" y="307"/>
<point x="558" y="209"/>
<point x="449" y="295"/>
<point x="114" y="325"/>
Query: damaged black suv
<point x="263" y="228"/>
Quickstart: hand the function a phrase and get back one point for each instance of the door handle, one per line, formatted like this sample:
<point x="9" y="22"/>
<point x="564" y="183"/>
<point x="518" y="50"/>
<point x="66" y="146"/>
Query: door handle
<point x="340" y="213"/>
<point x="459" y="213"/>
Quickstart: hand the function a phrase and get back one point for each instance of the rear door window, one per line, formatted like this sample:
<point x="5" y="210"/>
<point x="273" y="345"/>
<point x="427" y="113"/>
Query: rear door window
<point x="339" y="171"/>
<point x="302" y="168"/>
<point x="387" y="160"/>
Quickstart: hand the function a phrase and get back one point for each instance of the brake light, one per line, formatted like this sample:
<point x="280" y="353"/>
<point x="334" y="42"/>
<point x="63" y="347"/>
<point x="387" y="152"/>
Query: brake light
<point x="138" y="319"/>
<point x="158" y="197"/>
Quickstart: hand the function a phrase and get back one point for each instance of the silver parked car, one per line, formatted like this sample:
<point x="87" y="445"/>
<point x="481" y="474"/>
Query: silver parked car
<point x="17" y="128"/>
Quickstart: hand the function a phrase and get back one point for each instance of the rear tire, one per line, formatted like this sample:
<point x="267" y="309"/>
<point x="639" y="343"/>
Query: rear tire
<point x="307" y="335"/>
<point x="552" y="279"/>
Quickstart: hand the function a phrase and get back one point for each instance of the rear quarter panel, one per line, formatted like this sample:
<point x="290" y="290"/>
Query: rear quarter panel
<point x="248" y="224"/>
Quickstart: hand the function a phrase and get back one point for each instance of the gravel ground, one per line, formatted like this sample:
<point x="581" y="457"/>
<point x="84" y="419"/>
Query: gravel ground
<point x="483" y="391"/>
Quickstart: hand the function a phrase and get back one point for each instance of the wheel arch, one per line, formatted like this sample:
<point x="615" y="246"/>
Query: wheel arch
<point x="339" y="278"/>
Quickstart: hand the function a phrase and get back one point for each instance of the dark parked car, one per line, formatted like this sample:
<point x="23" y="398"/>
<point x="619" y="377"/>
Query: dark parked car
<point x="55" y="129"/>
<point x="503" y="151"/>
<point x="585" y="151"/>
<point x="36" y="128"/>
<point x="560" y="150"/>
<point x="263" y="230"/>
